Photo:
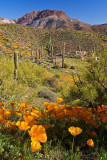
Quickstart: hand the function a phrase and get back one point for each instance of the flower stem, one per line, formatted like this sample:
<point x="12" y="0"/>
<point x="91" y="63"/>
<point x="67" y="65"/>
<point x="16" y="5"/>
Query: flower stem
<point x="73" y="144"/>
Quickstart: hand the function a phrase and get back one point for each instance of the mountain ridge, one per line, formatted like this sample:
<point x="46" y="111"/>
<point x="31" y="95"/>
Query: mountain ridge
<point x="53" y="19"/>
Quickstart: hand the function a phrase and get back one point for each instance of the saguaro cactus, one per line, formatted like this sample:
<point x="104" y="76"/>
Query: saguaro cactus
<point x="37" y="52"/>
<point x="63" y="53"/>
<point x="52" y="52"/>
<point x="15" y="64"/>
<point x="50" y="48"/>
<point x="42" y="50"/>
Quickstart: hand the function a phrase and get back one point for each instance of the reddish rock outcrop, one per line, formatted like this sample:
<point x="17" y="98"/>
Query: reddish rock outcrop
<point x="54" y="19"/>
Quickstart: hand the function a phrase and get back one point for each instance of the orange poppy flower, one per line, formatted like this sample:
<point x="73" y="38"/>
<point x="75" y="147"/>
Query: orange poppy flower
<point x="12" y="104"/>
<point x="23" y="106"/>
<point x="18" y="113"/>
<point x="22" y="125"/>
<point x="50" y="106"/>
<point x="104" y="107"/>
<point x="46" y="126"/>
<point x="38" y="134"/>
<point x="43" y="114"/>
<point x="28" y="118"/>
<point x="90" y="143"/>
<point x="61" y="115"/>
<point x="59" y="100"/>
<point x="1" y="118"/>
<point x="69" y="112"/>
<point x="103" y="117"/>
<point x="7" y="114"/>
<point x="1" y="111"/>
<point x="93" y="134"/>
<point x="11" y="125"/>
<point x="35" y="112"/>
<point x="35" y="145"/>
<point x="74" y="130"/>
<point x="2" y="104"/>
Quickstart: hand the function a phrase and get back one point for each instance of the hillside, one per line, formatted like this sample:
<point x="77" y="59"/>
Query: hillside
<point x="5" y="20"/>
<point x="24" y="39"/>
<point x="100" y="28"/>
<point x="52" y="20"/>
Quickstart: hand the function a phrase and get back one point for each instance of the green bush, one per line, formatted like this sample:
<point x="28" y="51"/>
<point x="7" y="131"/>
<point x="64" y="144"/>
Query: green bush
<point x="72" y="67"/>
<point x="56" y="66"/>
<point x="48" y="94"/>
<point x="66" y="65"/>
<point x="91" y="87"/>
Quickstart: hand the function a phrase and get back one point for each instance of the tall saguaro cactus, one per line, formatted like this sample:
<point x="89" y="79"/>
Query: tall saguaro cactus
<point x="52" y="52"/>
<point x="50" y="46"/>
<point x="37" y="52"/>
<point x="63" y="53"/>
<point x="42" y="50"/>
<point x="15" y="64"/>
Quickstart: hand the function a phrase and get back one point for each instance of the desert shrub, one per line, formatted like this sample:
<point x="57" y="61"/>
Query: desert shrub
<point x="57" y="76"/>
<point x="72" y="67"/>
<point x="66" y="65"/>
<point x="56" y="66"/>
<point x="25" y="88"/>
<point x="53" y="83"/>
<point x="77" y="57"/>
<point x="91" y="88"/>
<point x="74" y="55"/>
<point x="30" y="73"/>
<point x="48" y="94"/>
<point x="50" y="81"/>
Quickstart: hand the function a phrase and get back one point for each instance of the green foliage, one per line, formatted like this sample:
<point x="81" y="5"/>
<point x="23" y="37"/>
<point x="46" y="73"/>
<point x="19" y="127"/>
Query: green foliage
<point x="66" y="65"/>
<point x="30" y="73"/>
<point x="102" y="154"/>
<point x="46" y="93"/>
<point x="29" y="37"/>
<point x="14" y="146"/>
<point x="56" y="66"/>
<point x="91" y="86"/>
<point x="72" y="67"/>
<point x="30" y="77"/>
<point x="74" y="55"/>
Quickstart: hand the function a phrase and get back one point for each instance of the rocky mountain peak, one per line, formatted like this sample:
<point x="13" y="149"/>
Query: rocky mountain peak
<point x="54" y="19"/>
<point x="47" y="12"/>
<point x="35" y="15"/>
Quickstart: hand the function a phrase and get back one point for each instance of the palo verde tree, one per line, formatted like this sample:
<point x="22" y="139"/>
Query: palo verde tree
<point x="90" y="87"/>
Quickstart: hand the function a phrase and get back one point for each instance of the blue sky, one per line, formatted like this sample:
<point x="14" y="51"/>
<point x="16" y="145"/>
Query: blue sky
<point x="89" y="11"/>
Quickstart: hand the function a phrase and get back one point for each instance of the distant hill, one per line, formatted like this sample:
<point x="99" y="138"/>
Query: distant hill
<point x="100" y="28"/>
<point x="52" y="20"/>
<point x="5" y="20"/>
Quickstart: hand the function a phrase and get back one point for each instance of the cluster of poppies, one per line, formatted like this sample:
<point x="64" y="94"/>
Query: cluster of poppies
<point x="28" y="119"/>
